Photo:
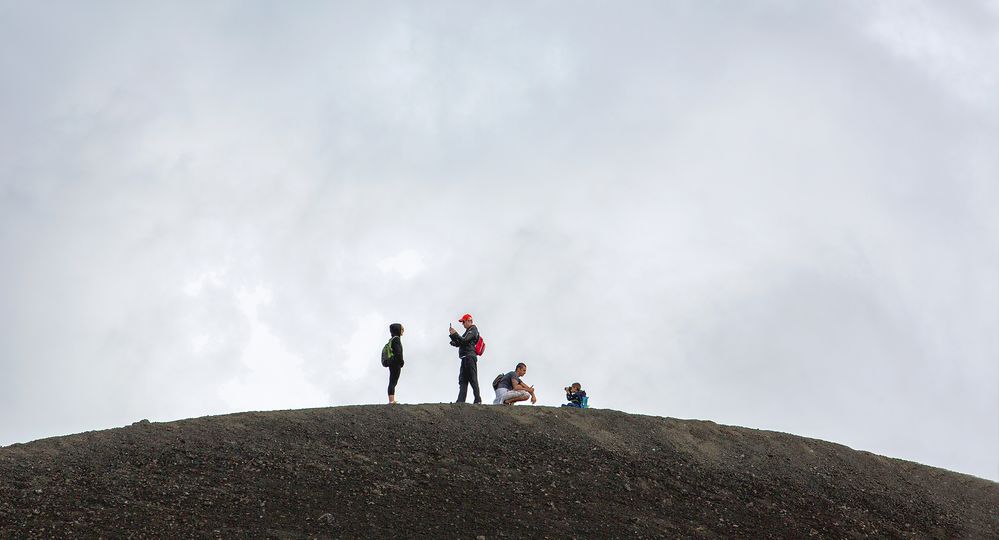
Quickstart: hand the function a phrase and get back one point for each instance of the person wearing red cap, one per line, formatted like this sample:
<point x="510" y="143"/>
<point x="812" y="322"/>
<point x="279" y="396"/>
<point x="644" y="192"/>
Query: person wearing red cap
<point x="469" y="371"/>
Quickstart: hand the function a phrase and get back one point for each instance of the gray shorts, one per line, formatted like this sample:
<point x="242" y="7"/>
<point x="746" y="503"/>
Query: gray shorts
<point x="503" y="394"/>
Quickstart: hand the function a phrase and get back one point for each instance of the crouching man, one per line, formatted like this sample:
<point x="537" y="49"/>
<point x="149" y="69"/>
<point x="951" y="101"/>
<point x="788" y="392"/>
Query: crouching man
<point x="512" y="389"/>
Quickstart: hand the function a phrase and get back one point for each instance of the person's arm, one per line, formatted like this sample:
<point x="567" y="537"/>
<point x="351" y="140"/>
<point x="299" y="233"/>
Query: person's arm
<point x="519" y="385"/>
<point x="397" y="350"/>
<point x="470" y="337"/>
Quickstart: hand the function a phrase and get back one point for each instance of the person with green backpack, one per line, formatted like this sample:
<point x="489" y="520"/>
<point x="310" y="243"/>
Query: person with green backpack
<point x="392" y="358"/>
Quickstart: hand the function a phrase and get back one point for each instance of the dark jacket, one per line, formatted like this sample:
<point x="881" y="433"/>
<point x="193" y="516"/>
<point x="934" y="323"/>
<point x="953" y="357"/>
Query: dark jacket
<point x="466" y="342"/>
<point x="396" y="359"/>
<point x="575" y="397"/>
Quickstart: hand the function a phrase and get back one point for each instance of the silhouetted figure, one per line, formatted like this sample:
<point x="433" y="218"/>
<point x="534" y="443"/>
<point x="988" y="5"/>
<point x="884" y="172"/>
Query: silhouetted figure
<point x="395" y="361"/>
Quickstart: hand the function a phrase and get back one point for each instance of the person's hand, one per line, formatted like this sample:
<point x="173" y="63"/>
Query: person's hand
<point x="451" y="330"/>
<point x="533" y="399"/>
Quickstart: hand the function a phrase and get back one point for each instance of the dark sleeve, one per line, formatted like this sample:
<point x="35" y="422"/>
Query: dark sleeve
<point x="470" y="337"/>
<point x="397" y="350"/>
<point x="455" y="340"/>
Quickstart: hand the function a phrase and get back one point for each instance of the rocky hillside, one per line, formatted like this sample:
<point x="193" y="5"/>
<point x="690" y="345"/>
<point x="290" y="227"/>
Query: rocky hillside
<point x="464" y="471"/>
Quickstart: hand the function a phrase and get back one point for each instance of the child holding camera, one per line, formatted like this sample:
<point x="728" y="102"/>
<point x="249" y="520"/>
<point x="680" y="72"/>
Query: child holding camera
<point x="574" y="395"/>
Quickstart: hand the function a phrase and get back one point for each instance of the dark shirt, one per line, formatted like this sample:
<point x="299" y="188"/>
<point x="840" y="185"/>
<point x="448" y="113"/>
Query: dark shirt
<point x="396" y="359"/>
<point x="466" y="342"/>
<point x="507" y="380"/>
<point x="575" y="397"/>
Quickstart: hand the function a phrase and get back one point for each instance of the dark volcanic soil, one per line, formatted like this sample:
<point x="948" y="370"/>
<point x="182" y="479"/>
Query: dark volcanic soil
<point x="464" y="471"/>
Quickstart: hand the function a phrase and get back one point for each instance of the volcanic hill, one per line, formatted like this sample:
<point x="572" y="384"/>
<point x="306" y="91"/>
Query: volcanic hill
<point x="473" y="471"/>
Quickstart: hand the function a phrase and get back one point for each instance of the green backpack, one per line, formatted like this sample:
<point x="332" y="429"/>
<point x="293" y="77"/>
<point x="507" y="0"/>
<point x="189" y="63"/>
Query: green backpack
<point x="387" y="352"/>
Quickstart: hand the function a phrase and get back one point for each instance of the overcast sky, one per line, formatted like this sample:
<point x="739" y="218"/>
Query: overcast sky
<point x="772" y="214"/>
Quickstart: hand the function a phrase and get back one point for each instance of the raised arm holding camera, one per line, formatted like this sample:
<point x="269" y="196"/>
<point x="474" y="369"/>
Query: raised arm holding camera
<point x="468" y="373"/>
<point x="575" y="395"/>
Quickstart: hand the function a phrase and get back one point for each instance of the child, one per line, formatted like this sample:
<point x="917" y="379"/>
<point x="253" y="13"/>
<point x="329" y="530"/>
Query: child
<point x="395" y="362"/>
<point x="574" y="395"/>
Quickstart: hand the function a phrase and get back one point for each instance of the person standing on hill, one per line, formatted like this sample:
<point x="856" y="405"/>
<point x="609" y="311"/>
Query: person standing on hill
<point x="469" y="371"/>
<point x="396" y="361"/>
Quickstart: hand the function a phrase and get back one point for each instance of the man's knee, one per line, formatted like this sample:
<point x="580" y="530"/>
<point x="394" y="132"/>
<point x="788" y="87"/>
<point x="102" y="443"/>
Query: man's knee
<point x="514" y="396"/>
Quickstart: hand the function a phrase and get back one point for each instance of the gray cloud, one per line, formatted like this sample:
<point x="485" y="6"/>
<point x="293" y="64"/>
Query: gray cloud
<point x="778" y="216"/>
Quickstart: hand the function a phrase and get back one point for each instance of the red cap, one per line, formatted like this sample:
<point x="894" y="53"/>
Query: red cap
<point x="465" y="317"/>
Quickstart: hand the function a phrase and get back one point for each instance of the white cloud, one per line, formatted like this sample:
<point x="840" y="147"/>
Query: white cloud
<point x="273" y="378"/>
<point x="407" y="264"/>
<point x="360" y="351"/>
<point x="954" y="45"/>
<point x="780" y="214"/>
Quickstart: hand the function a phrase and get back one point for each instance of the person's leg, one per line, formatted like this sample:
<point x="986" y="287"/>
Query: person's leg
<point x="473" y="378"/>
<point x="394" y="372"/>
<point x="462" y="383"/>
<point x="514" y="396"/>
<point x="500" y="392"/>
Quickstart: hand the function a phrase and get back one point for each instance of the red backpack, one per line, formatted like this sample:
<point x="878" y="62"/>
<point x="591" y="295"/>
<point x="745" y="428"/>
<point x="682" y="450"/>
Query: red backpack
<point x="480" y="347"/>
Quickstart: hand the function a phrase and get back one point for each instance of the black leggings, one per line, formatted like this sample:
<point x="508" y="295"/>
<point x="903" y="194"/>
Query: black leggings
<point x="394" y="372"/>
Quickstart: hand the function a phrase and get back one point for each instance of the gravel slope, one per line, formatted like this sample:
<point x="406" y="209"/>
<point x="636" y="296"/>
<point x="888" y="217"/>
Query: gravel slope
<point x="464" y="471"/>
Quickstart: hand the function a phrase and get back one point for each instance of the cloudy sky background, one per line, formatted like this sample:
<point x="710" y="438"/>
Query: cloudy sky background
<point x="772" y="214"/>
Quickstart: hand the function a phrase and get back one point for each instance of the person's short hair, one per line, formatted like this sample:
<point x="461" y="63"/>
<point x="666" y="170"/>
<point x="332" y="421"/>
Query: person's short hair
<point x="395" y="329"/>
<point x="576" y="385"/>
<point x="521" y="365"/>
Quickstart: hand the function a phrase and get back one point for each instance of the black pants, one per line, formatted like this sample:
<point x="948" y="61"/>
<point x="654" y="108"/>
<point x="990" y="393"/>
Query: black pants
<point x="394" y="372"/>
<point x="469" y="374"/>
